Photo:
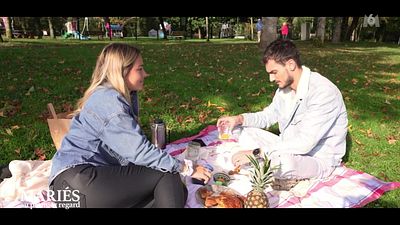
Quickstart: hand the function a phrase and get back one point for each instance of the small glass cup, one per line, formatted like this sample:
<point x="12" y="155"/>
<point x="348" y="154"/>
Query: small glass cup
<point x="193" y="151"/>
<point x="225" y="133"/>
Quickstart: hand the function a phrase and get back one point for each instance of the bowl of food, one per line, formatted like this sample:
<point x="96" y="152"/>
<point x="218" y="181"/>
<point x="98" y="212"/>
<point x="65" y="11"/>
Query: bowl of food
<point x="221" y="179"/>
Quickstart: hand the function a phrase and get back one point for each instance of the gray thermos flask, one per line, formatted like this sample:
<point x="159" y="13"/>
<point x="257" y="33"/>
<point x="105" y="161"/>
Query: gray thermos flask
<point x="159" y="133"/>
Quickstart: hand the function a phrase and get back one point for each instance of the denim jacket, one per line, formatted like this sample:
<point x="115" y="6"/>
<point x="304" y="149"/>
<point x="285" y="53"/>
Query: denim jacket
<point x="105" y="132"/>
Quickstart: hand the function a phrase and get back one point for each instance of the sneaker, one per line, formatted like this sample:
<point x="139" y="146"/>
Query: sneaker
<point x="285" y="184"/>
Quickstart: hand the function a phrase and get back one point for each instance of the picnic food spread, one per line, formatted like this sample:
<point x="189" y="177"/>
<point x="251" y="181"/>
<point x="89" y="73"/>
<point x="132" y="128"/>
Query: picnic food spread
<point x="214" y="196"/>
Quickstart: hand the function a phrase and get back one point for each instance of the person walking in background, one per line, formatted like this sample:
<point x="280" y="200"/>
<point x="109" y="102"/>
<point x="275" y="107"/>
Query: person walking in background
<point x="259" y="27"/>
<point x="285" y="30"/>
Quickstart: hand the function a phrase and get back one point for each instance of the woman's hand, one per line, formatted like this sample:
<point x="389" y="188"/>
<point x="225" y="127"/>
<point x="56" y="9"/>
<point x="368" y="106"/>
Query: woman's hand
<point x="240" y="158"/>
<point x="201" y="173"/>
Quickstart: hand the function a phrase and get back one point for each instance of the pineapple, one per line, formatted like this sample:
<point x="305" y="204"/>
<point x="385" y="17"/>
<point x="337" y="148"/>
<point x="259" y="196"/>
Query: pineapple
<point x="261" y="176"/>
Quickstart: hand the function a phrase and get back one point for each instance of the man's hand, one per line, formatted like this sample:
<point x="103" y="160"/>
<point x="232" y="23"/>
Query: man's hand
<point x="230" y="121"/>
<point x="240" y="158"/>
<point x="201" y="173"/>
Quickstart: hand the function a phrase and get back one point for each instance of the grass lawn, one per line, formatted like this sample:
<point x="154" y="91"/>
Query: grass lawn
<point x="192" y="83"/>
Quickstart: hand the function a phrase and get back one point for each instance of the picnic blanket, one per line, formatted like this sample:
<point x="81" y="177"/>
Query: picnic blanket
<point x="345" y="188"/>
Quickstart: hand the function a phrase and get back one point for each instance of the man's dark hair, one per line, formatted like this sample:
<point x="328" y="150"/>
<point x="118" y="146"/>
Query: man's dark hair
<point x="281" y="51"/>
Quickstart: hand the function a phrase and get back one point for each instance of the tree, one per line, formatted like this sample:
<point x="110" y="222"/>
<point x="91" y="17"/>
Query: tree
<point x="350" y="29"/>
<point x="207" y="33"/>
<point x="7" y="24"/>
<point x="51" y="28"/>
<point x="321" y="29"/>
<point x="338" y="29"/>
<point x="269" y="32"/>
<point x="38" y="27"/>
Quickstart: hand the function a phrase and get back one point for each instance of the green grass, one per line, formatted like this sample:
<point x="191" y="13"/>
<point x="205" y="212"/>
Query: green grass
<point x="187" y="75"/>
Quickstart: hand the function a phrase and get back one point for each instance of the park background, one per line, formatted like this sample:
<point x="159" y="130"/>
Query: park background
<point x="198" y="72"/>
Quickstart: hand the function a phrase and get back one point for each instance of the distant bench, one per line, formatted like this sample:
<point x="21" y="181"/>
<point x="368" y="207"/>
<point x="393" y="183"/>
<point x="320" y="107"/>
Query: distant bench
<point x="100" y="34"/>
<point x="177" y="34"/>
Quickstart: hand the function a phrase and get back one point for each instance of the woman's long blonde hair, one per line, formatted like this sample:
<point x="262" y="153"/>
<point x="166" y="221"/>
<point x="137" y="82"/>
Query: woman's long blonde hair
<point x="113" y="64"/>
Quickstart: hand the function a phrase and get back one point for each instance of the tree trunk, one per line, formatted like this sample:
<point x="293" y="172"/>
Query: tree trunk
<point x="207" y="33"/>
<point x="345" y="26"/>
<point x="182" y="24"/>
<point x="351" y="28"/>
<point x="38" y="28"/>
<point x="137" y="28"/>
<point x="358" y="32"/>
<point x="163" y="27"/>
<point x="251" y="28"/>
<point x="314" y="25"/>
<point x="22" y="21"/>
<point x="321" y="29"/>
<point x="337" y="30"/>
<point x="268" y="34"/>
<point x="9" y="34"/>
<point x="51" y="28"/>
<point x="290" y="25"/>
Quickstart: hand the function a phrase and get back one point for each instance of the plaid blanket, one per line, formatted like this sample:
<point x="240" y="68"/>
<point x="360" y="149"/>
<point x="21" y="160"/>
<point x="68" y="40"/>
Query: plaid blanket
<point x="345" y="188"/>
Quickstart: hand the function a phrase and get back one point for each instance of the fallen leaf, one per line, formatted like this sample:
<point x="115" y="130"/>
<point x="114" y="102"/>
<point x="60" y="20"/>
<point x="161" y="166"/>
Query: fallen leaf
<point x="45" y="90"/>
<point x="2" y="114"/>
<point x="31" y="89"/>
<point x="391" y="140"/>
<point x="263" y="90"/>
<point x="202" y="117"/>
<point x="209" y="104"/>
<point x="221" y="109"/>
<point x="385" y="178"/>
<point x="9" y="132"/>
<point x="189" y="119"/>
<point x="358" y="142"/>
<point x="349" y="127"/>
<point x="386" y="89"/>
<point x="15" y="127"/>
<point x="179" y="119"/>
<point x="354" y="81"/>
<point x="369" y="133"/>
<point x="18" y="151"/>
<point x="40" y="154"/>
<point x="196" y="100"/>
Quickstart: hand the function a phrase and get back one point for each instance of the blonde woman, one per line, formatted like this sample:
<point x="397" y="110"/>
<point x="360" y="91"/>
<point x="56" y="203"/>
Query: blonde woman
<point x="105" y="160"/>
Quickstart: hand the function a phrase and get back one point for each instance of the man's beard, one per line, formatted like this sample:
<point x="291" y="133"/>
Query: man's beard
<point x="288" y="82"/>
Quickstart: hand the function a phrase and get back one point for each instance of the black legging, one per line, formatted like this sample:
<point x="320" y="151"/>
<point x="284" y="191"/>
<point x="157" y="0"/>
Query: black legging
<point x="122" y="187"/>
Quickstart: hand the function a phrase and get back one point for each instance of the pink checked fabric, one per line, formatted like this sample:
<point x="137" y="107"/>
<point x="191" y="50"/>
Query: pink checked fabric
<point x="345" y="188"/>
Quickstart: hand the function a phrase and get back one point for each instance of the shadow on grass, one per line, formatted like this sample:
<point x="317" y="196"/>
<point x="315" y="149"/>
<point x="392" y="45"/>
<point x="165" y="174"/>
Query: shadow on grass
<point x="349" y="144"/>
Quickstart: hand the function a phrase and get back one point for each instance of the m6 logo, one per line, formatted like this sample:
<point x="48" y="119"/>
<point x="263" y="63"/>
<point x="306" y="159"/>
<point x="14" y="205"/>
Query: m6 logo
<point x="371" y="21"/>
